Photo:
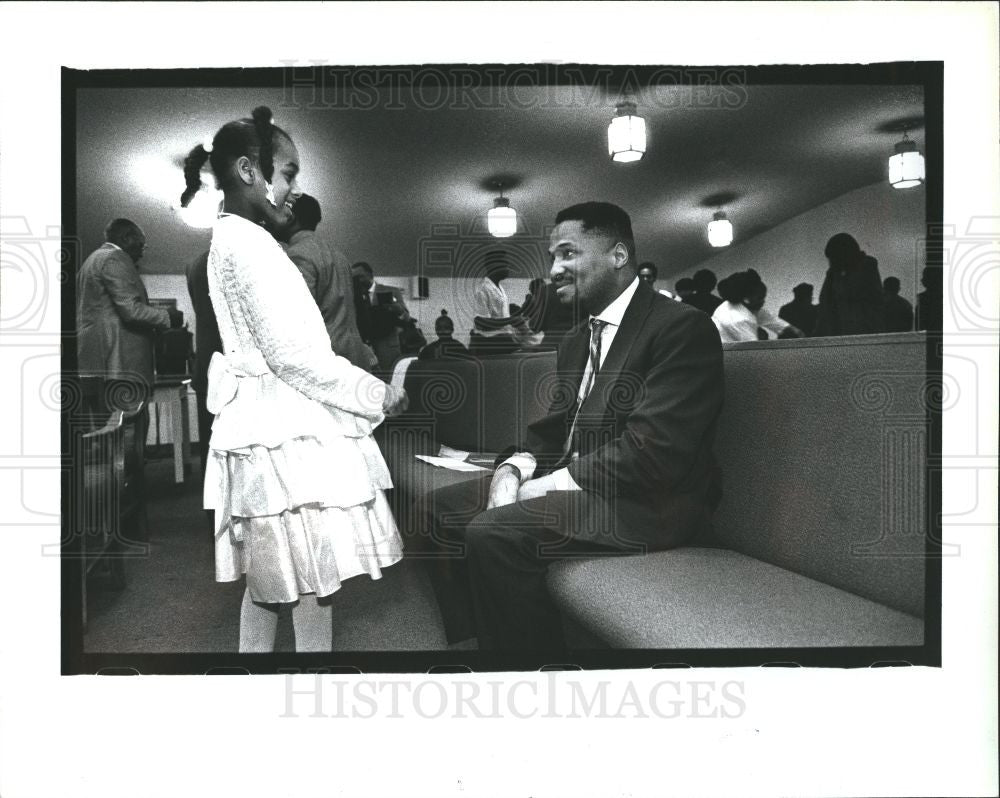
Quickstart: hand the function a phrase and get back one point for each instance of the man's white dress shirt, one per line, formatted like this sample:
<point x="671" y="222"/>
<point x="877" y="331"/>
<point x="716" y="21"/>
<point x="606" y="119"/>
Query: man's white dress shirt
<point x="612" y="315"/>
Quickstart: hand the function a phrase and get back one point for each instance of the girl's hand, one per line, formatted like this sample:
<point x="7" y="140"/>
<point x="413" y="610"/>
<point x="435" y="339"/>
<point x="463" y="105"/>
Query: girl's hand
<point x="395" y="402"/>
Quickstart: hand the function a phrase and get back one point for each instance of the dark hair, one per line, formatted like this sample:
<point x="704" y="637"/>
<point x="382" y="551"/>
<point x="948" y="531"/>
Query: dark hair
<point x="306" y="212"/>
<point x="648" y="265"/>
<point x="932" y="278"/>
<point x="496" y="260"/>
<point x="684" y="284"/>
<point x="252" y="137"/>
<point x="740" y="285"/>
<point x="891" y="284"/>
<point x="841" y="247"/>
<point x="443" y="323"/>
<point x="604" y="218"/>
<point x="802" y="289"/>
<point x="367" y="269"/>
<point x="704" y="280"/>
<point x="117" y="228"/>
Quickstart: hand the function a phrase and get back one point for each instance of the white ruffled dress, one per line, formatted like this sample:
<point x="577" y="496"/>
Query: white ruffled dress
<point x="295" y="478"/>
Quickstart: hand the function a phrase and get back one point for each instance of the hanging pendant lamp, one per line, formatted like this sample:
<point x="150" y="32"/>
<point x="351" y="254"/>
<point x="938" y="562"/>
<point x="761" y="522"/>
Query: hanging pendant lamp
<point x="626" y="133"/>
<point x="501" y="219"/>
<point x="720" y="230"/>
<point x="906" y="167"/>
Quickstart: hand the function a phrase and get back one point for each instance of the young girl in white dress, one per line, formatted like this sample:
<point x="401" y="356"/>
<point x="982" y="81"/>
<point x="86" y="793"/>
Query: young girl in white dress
<point x="294" y="476"/>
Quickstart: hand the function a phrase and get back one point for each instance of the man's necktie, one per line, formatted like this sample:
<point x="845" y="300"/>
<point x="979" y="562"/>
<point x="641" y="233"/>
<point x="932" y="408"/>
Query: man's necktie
<point x="596" y="333"/>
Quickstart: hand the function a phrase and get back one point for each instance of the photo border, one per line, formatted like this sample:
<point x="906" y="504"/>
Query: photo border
<point x="928" y="74"/>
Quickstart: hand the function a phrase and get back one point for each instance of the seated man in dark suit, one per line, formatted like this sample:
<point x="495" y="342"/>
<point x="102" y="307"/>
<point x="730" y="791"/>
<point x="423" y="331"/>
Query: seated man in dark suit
<point x="622" y="463"/>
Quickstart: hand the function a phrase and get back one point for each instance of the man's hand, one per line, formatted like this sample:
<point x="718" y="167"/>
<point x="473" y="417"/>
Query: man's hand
<point x="535" y="488"/>
<point x="792" y="331"/>
<point x="503" y="488"/>
<point x="395" y="402"/>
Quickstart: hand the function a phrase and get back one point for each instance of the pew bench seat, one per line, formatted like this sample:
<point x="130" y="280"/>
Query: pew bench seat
<point x="695" y="598"/>
<point x="820" y="540"/>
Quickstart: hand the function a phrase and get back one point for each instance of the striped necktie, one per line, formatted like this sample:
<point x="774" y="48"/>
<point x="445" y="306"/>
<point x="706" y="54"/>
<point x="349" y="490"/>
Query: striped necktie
<point x="596" y="333"/>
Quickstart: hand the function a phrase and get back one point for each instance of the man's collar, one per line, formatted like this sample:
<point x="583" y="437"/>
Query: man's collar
<point x="615" y="312"/>
<point x="113" y="244"/>
<point x="299" y="235"/>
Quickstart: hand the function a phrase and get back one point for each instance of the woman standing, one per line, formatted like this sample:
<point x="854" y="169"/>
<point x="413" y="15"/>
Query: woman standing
<point x="294" y="476"/>
<point x="851" y="301"/>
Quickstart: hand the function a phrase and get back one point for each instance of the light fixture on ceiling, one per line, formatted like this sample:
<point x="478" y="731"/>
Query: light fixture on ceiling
<point x="626" y="133"/>
<point x="906" y="167"/>
<point x="720" y="230"/>
<point x="501" y="219"/>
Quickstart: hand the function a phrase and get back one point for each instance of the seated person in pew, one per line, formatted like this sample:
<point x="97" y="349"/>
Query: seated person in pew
<point x="445" y="345"/>
<point x="622" y="463"/>
<point x="648" y="272"/>
<point x="497" y="331"/>
<point x="742" y="315"/>
<point x="704" y="283"/>
<point x="411" y="340"/>
<point x="546" y="315"/>
<point x="898" y="311"/>
<point x="801" y="312"/>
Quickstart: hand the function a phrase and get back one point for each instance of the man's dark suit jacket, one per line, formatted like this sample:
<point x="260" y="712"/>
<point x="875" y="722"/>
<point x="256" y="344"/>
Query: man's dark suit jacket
<point x="327" y="274"/>
<point x="646" y="429"/>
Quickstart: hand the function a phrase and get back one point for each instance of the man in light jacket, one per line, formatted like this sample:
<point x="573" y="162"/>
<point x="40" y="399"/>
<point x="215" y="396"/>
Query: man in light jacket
<point x="115" y="323"/>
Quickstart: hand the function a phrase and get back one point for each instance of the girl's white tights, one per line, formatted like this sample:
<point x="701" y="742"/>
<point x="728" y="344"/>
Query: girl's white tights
<point x="312" y="619"/>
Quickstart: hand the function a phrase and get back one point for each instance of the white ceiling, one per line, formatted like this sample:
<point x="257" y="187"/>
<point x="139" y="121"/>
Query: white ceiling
<point x="388" y="177"/>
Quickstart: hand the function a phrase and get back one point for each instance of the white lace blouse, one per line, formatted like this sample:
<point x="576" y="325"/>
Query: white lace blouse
<point x="278" y="378"/>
